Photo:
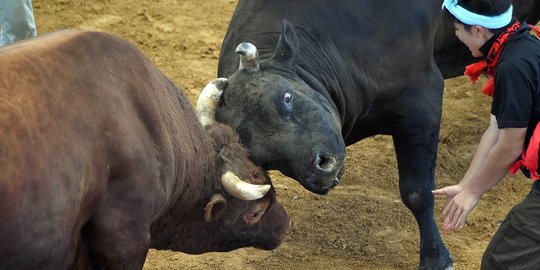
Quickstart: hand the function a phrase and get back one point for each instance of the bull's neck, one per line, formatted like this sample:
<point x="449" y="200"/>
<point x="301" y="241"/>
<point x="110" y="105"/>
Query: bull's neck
<point x="329" y="72"/>
<point x="199" y="178"/>
<point x="196" y="182"/>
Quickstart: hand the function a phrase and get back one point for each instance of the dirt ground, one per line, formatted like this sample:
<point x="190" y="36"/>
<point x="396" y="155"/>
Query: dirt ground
<point x="362" y="224"/>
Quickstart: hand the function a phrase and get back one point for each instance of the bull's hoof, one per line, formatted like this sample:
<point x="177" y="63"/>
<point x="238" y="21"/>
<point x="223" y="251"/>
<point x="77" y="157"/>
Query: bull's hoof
<point x="448" y="267"/>
<point x="438" y="264"/>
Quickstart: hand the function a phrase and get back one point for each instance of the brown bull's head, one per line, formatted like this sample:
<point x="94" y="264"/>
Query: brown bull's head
<point x="243" y="211"/>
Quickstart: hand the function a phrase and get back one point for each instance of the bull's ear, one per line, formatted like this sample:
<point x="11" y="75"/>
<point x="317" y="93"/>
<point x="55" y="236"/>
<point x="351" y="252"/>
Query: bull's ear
<point x="287" y="44"/>
<point x="215" y="208"/>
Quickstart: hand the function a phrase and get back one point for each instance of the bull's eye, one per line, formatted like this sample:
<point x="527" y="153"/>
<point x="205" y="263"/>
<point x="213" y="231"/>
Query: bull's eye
<point x="285" y="103"/>
<point x="253" y="215"/>
<point x="287" y="97"/>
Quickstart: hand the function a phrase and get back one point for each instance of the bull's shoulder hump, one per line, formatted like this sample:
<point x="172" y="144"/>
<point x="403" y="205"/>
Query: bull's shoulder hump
<point x="87" y="38"/>
<point x="68" y="38"/>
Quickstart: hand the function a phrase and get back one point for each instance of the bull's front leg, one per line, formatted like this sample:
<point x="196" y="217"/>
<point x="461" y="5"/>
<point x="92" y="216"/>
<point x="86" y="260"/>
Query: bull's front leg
<point x="118" y="231"/>
<point x="118" y="242"/>
<point x="416" y="150"/>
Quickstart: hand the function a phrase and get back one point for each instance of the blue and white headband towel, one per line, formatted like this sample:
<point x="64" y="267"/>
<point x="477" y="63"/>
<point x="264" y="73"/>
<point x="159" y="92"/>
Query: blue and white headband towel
<point x="471" y="18"/>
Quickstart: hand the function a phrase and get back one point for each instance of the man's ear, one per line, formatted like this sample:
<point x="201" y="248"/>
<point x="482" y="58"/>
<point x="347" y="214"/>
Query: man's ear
<point x="479" y="31"/>
<point x="215" y="208"/>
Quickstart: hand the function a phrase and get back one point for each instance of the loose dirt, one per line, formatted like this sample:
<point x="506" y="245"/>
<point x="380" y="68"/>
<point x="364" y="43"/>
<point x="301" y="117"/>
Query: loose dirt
<point x="362" y="224"/>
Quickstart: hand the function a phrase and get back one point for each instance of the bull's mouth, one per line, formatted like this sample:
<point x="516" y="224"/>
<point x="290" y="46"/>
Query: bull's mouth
<point x="273" y="242"/>
<point x="270" y="245"/>
<point x="319" y="188"/>
<point x="322" y="185"/>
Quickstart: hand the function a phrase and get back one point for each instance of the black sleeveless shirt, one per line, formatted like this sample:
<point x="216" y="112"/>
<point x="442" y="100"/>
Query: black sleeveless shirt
<point x="516" y="98"/>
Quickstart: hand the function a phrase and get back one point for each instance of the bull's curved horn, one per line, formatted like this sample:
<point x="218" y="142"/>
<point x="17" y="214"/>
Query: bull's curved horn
<point x="208" y="100"/>
<point x="249" y="56"/>
<point x="242" y="190"/>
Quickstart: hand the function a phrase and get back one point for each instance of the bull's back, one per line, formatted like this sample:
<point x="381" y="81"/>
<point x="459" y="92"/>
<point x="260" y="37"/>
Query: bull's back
<point x="360" y="30"/>
<point x="76" y="109"/>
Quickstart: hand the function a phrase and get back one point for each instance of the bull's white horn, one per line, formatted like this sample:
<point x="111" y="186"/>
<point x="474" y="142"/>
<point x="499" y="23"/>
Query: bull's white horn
<point x="249" y="56"/>
<point x="208" y="100"/>
<point x="242" y="190"/>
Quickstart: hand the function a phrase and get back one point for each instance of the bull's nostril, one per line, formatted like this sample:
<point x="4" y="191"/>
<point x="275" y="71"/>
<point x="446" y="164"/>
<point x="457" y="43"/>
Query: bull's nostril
<point x="325" y="162"/>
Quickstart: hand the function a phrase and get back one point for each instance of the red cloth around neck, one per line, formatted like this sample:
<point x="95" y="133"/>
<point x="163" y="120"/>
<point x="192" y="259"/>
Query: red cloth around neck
<point x="489" y="65"/>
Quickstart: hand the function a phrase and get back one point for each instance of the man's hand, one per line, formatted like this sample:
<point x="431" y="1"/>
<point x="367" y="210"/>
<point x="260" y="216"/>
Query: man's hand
<point x="459" y="202"/>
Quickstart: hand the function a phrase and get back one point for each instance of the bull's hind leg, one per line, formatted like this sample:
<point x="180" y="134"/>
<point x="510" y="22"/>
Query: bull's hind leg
<point x="416" y="139"/>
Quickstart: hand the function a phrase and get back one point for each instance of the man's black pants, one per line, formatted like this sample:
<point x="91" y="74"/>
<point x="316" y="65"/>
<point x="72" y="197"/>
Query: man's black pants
<point x="516" y="244"/>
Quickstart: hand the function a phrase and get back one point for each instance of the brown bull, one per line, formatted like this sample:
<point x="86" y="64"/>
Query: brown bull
<point x="102" y="158"/>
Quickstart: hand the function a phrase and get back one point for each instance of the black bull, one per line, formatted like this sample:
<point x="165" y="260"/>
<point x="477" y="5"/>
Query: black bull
<point x="339" y="72"/>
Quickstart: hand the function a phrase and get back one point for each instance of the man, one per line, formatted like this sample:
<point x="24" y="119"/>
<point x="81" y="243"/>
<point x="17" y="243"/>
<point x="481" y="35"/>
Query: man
<point x="512" y="61"/>
<point x="16" y="21"/>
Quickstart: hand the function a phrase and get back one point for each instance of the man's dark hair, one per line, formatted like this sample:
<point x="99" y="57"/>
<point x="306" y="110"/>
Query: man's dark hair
<point x="482" y="7"/>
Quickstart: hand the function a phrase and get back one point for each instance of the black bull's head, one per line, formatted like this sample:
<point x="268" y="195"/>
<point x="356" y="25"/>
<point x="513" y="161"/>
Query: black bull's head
<point x="286" y="124"/>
